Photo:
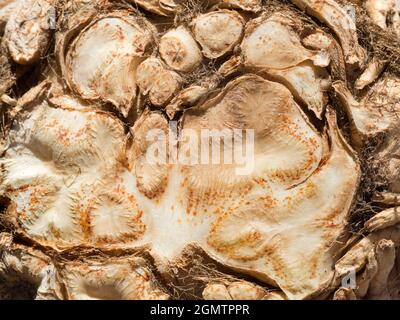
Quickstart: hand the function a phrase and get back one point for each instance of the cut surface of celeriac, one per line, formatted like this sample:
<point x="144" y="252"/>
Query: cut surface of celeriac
<point x="87" y="196"/>
<point x="223" y="149"/>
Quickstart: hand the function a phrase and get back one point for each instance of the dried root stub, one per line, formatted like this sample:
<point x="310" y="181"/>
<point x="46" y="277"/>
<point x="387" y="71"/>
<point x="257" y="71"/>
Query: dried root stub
<point x="179" y="50"/>
<point x="28" y="29"/>
<point x="218" y="32"/>
<point x="156" y="81"/>
<point x="182" y="149"/>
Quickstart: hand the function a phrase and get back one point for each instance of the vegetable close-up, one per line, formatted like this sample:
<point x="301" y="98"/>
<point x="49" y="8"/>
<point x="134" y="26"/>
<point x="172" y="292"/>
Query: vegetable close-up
<point x="187" y="149"/>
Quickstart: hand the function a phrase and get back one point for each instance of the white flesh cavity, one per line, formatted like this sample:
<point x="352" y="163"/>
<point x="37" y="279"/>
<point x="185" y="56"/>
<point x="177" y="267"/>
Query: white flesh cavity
<point x="103" y="59"/>
<point x="277" y="223"/>
<point x="218" y="32"/>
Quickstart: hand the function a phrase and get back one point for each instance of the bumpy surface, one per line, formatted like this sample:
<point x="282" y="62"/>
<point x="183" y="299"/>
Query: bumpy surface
<point x="87" y="214"/>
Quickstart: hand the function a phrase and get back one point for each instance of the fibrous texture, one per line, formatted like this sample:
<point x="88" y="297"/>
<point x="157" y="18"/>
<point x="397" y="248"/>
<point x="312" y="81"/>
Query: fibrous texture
<point x="182" y="149"/>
